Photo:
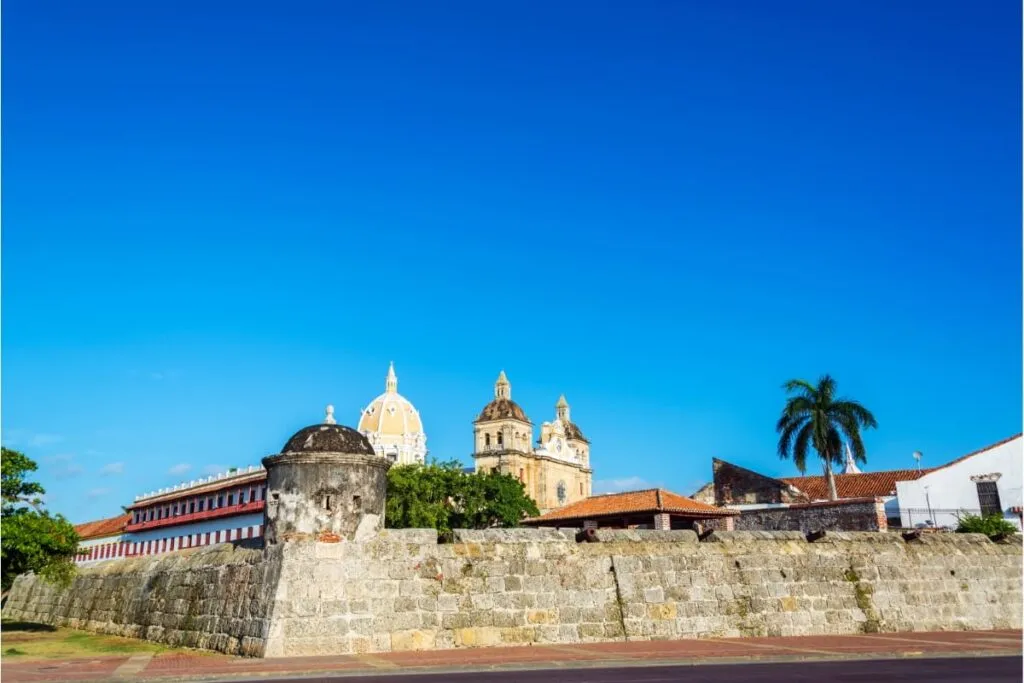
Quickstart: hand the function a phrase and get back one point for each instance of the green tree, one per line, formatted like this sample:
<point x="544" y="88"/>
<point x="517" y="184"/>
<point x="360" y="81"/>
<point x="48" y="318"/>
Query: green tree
<point x="442" y="496"/>
<point x="16" y="491"/>
<point x="32" y="539"/>
<point x="815" y="418"/>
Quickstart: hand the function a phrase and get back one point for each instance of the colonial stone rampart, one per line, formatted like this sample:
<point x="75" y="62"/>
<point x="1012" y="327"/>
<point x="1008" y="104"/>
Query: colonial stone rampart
<point x="402" y="590"/>
<point x="215" y="597"/>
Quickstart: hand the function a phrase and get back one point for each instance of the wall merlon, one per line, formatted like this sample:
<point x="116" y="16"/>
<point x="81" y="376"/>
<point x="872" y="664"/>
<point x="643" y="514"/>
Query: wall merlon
<point x="645" y="536"/>
<point x="521" y="535"/>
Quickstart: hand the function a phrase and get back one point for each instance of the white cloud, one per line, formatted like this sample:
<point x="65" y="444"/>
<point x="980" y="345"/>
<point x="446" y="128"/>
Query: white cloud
<point x="180" y="468"/>
<point x="112" y="468"/>
<point x="44" y="439"/>
<point x="63" y="466"/>
<point x="624" y="484"/>
<point x="98" y="493"/>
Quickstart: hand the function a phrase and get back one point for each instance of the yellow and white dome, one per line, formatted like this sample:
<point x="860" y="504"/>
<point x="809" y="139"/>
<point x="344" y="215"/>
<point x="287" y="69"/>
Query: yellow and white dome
<point x="393" y="425"/>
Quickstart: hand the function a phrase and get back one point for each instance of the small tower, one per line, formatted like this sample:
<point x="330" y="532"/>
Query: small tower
<point x="850" y="465"/>
<point x="562" y="409"/>
<point x="327" y="483"/>
<point x="502" y="424"/>
<point x="391" y="383"/>
<point x="502" y="387"/>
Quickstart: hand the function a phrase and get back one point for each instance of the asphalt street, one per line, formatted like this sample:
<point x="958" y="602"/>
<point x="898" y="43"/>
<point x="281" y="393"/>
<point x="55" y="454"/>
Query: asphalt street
<point x="958" y="670"/>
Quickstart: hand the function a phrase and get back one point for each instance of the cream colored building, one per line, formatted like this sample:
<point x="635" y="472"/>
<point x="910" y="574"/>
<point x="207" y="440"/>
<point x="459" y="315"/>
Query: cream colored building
<point x="393" y="425"/>
<point x="555" y="473"/>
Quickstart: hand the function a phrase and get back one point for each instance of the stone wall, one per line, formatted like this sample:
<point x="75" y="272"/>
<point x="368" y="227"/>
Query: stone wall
<point x="215" y="597"/>
<point x="861" y="514"/>
<point x="402" y="590"/>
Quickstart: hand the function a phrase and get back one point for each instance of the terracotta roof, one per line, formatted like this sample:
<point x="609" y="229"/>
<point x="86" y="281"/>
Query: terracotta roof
<point x="502" y="409"/>
<point x="633" y="502"/>
<point x="868" y="484"/>
<point x="864" y="485"/>
<point x="102" y="527"/>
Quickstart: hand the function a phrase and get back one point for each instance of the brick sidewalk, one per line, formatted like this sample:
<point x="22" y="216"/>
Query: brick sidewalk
<point x="202" y="666"/>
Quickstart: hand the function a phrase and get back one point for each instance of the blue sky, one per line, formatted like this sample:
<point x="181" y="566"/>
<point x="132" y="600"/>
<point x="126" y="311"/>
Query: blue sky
<point x="219" y="217"/>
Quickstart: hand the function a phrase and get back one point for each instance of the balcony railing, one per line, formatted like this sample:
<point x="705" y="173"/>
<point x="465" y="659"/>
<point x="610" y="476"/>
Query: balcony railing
<point x="215" y="513"/>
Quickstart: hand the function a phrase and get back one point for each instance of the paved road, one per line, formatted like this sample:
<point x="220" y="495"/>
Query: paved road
<point x="954" y="670"/>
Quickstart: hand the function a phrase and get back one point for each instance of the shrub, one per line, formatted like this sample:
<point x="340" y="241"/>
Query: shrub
<point x="990" y="525"/>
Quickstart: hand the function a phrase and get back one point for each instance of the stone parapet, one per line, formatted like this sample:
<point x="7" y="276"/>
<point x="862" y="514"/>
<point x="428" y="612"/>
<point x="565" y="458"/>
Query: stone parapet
<point x="645" y="536"/>
<point x="521" y="535"/>
<point x="402" y="590"/>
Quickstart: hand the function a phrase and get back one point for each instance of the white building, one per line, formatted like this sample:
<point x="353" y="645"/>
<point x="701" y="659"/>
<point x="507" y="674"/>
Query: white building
<point x="393" y="425"/>
<point x="984" y="482"/>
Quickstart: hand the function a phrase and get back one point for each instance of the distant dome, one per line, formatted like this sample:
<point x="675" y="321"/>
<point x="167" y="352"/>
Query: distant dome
<point x="328" y="438"/>
<point x="393" y="426"/>
<point x="502" y="409"/>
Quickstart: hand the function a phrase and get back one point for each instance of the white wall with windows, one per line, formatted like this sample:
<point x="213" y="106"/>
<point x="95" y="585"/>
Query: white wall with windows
<point x="988" y="481"/>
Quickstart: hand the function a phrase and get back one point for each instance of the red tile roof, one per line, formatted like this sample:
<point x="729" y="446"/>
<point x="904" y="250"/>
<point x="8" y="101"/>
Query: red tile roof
<point x="869" y="484"/>
<point x="866" y="484"/>
<point x="102" y="527"/>
<point x="633" y="502"/>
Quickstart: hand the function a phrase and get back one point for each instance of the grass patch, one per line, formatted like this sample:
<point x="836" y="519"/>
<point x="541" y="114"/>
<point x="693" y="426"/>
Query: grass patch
<point x="39" y="641"/>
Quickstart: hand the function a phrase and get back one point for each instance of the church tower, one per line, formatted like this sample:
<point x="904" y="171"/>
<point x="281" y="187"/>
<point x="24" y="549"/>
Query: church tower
<point x="502" y="425"/>
<point x="554" y="474"/>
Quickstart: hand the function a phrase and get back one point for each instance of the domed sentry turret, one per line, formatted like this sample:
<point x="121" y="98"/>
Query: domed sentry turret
<point x="327" y="484"/>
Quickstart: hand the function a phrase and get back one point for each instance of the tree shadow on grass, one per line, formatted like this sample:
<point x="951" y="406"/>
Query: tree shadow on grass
<point x="26" y="627"/>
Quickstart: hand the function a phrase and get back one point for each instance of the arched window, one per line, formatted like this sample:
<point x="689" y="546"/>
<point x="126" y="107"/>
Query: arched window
<point x="487" y="439"/>
<point x="499" y="439"/>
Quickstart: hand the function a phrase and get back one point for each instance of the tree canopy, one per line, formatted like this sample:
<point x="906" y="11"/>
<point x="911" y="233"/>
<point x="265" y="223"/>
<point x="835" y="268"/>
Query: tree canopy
<point x="814" y="417"/>
<point x="442" y="496"/>
<point x="32" y="539"/>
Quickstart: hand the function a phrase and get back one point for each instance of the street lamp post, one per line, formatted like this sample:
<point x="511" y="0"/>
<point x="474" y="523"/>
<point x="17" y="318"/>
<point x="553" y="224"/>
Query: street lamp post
<point x="928" y="499"/>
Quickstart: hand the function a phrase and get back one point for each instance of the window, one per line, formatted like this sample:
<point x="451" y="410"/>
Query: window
<point x="988" y="497"/>
<point x="357" y="503"/>
<point x="581" y="488"/>
<point x="487" y="439"/>
<point x="263" y="495"/>
<point x="220" y="500"/>
<point x="500" y="438"/>
<point x="231" y="499"/>
<point x="327" y="502"/>
<point x="191" y="506"/>
<point x="241" y="497"/>
<point x="175" y="509"/>
<point x="520" y="474"/>
<point x="202" y="504"/>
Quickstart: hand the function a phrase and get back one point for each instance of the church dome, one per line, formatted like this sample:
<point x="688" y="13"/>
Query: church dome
<point x="328" y="438"/>
<point x="502" y="407"/>
<point x="393" y="425"/>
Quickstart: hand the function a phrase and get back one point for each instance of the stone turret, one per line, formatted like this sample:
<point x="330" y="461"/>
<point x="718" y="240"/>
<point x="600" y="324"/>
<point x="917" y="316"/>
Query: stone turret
<point x="327" y="483"/>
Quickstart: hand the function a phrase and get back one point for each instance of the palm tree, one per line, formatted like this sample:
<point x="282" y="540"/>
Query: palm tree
<point x="814" y="417"/>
